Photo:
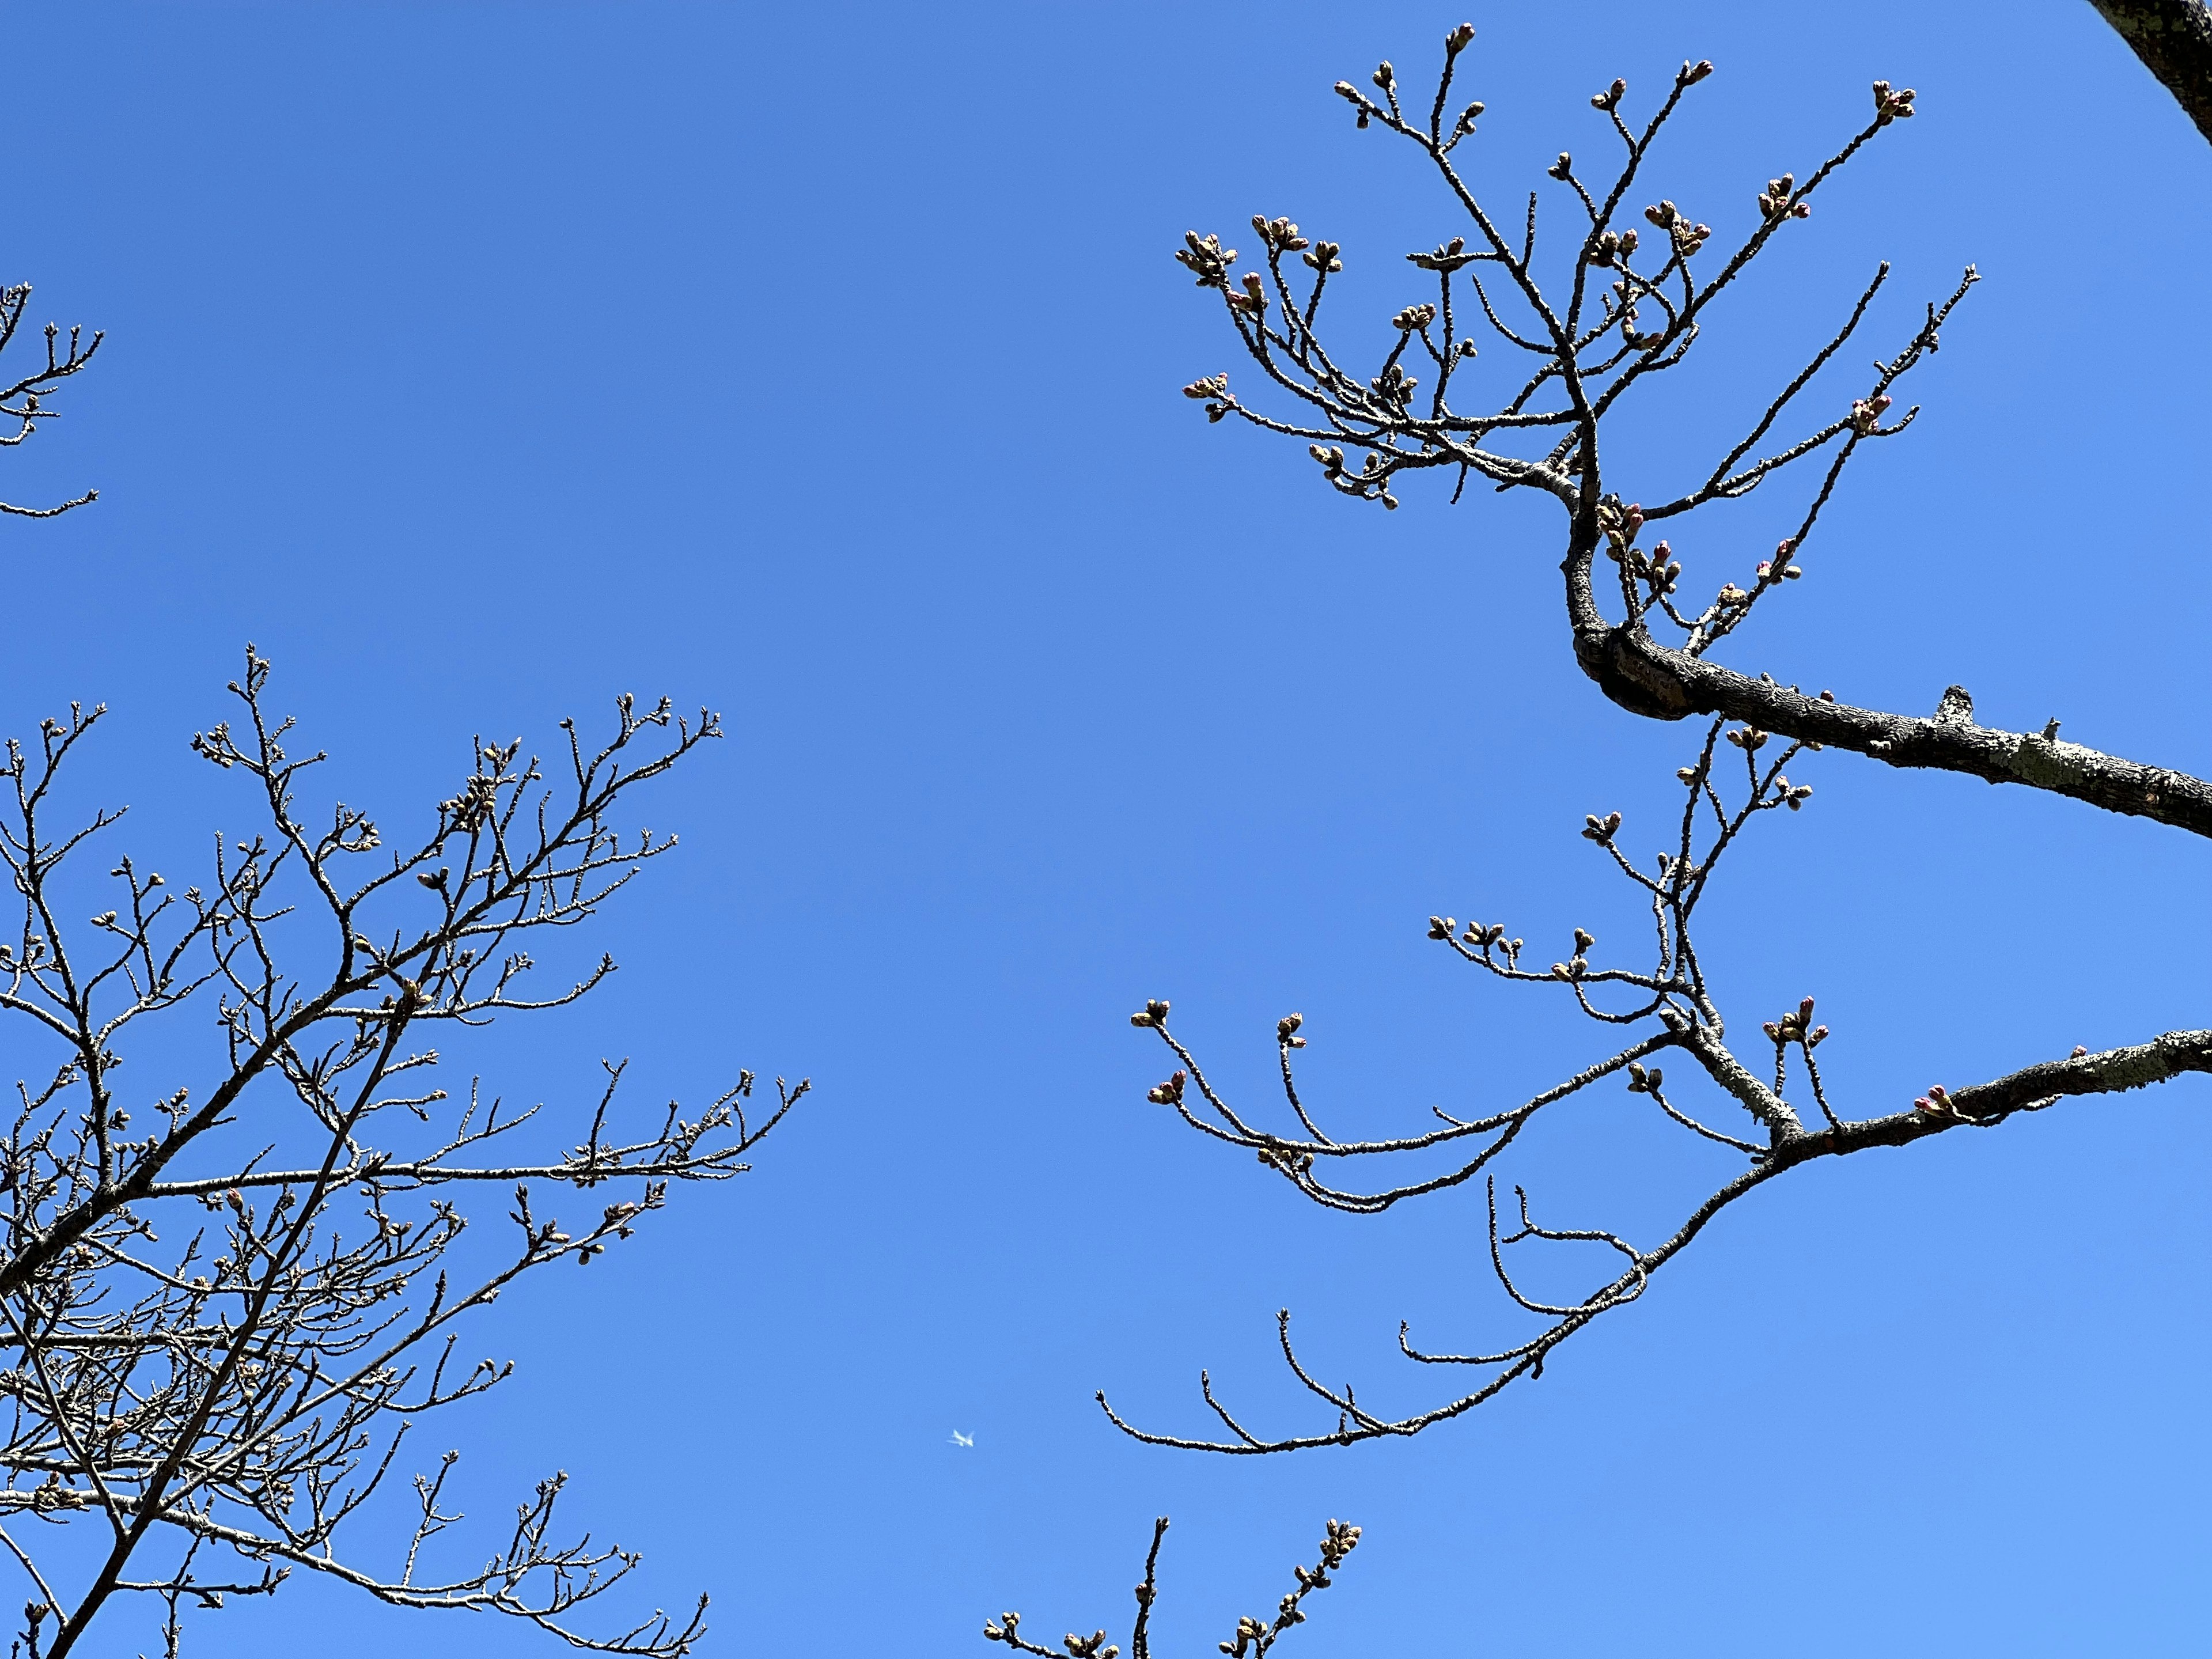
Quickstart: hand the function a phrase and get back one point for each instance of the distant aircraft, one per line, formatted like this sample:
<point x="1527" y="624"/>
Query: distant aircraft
<point x="960" y="1439"/>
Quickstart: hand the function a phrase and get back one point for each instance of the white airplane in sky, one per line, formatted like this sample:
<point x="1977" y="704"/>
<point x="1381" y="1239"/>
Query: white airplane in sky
<point x="960" y="1439"/>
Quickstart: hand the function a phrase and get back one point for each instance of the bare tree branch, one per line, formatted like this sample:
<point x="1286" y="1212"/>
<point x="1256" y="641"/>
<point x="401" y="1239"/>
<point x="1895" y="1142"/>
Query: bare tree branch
<point x="1252" y="1637"/>
<point x="1590" y="363"/>
<point x="245" y="1387"/>
<point x="23" y="389"/>
<point x="1668" y="1003"/>
<point x="2173" y="39"/>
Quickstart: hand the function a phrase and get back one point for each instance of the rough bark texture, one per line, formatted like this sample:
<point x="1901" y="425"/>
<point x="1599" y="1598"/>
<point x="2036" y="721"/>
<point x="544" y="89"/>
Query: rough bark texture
<point x="2033" y="1087"/>
<point x="1647" y="677"/>
<point x="2173" y="38"/>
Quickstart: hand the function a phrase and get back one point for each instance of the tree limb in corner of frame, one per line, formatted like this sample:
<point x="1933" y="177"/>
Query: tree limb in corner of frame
<point x="230" y="1290"/>
<point x="2173" y="39"/>
<point x="1636" y="290"/>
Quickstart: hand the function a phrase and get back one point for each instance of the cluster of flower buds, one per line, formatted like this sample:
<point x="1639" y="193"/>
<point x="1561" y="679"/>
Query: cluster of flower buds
<point x="1343" y="1540"/>
<point x="1249" y="1631"/>
<point x="1792" y="795"/>
<point x="1891" y="106"/>
<point x="1660" y="570"/>
<point x="1413" y="318"/>
<point x="1774" y="202"/>
<point x="1170" y="1092"/>
<point x="1448" y="256"/>
<point x="1621" y="524"/>
<point x="1367" y="485"/>
<point x="1643" y="1082"/>
<point x="1214" y="386"/>
<point x="1455" y="43"/>
<point x="1936" y="1103"/>
<point x="1748" y="739"/>
<point x="1154" y="1013"/>
<point x="1688" y="237"/>
<point x="1322" y="258"/>
<point x="1612" y="247"/>
<point x="1610" y="100"/>
<point x="1484" y="938"/>
<point x="1003" y="1628"/>
<point x="1290" y="1161"/>
<point x="1867" y="413"/>
<point x="1690" y="73"/>
<point x="2079" y="1051"/>
<point x="1253" y="299"/>
<point x="1286" y="1030"/>
<point x="1393" y="385"/>
<point x="1797" y="1026"/>
<point x="1205" y="257"/>
<point x="1663" y="570"/>
<point x="1358" y="101"/>
<point x="1441" y="926"/>
<point x="1468" y="118"/>
<point x="1089" y="1647"/>
<point x="1600" y="829"/>
<point x="1280" y="235"/>
<point x="1564" y="168"/>
<point x="1778" y="568"/>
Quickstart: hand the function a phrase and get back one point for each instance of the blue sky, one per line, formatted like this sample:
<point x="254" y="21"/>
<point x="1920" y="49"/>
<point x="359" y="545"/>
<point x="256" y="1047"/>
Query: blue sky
<point x="821" y="364"/>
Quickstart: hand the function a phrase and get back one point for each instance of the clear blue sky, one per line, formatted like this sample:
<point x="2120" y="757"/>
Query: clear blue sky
<point x="822" y="363"/>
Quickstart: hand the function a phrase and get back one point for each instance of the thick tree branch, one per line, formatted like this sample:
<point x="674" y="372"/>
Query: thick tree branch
<point x="2173" y="39"/>
<point x="1647" y="677"/>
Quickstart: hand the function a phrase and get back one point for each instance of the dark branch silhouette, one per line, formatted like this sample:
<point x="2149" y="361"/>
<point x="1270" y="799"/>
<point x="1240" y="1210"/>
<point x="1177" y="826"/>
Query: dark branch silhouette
<point x="1624" y="300"/>
<point x="24" y="388"/>
<point x="1251" y="1639"/>
<point x="224" y="1319"/>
